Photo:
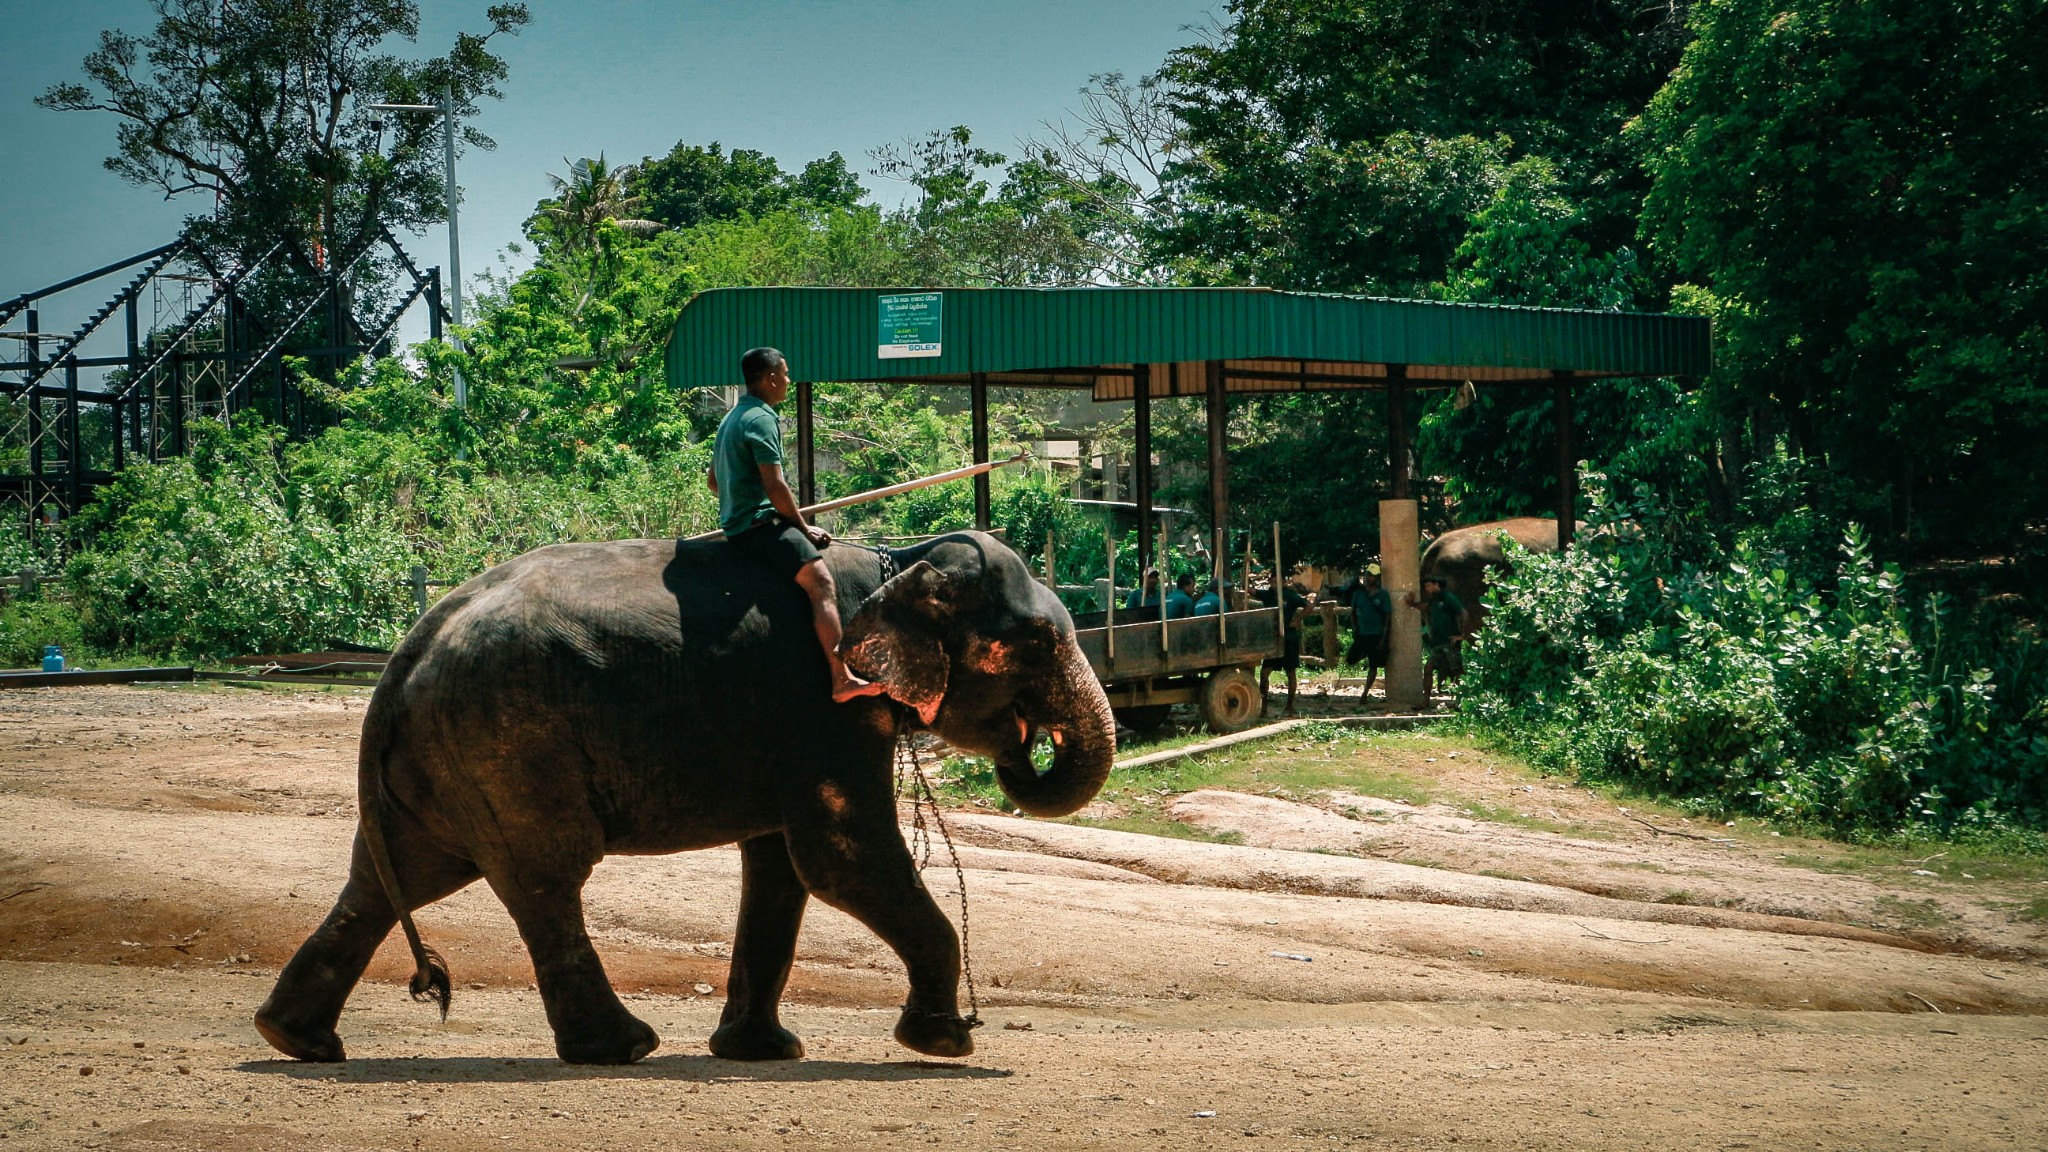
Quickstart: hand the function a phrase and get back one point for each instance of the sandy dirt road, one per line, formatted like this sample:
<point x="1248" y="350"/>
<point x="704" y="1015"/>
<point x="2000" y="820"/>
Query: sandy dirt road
<point x="163" y="850"/>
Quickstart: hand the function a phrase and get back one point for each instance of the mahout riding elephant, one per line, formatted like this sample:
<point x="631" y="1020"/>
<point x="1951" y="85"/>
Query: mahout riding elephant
<point x="651" y="696"/>
<point x="1461" y="556"/>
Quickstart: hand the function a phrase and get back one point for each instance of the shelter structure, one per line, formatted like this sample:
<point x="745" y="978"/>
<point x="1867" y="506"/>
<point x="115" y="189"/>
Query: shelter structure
<point x="1143" y="344"/>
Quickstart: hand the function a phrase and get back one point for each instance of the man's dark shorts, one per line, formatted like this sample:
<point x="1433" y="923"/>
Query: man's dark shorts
<point x="778" y="545"/>
<point x="1292" y="659"/>
<point x="1368" y="647"/>
<point x="1445" y="659"/>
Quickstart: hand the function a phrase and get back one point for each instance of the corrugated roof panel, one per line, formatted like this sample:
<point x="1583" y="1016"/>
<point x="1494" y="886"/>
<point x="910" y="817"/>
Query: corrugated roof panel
<point x="831" y="333"/>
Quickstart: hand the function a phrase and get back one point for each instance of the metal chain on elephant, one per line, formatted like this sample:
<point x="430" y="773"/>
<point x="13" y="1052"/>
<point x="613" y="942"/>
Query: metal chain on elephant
<point x="911" y="779"/>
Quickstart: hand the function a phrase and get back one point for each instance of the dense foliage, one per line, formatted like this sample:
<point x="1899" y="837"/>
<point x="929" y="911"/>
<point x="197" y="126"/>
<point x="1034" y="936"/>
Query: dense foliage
<point x="1722" y="673"/>
<point x="1858" y="192"/>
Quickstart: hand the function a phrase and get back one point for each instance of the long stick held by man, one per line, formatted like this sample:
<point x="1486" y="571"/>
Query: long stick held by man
<point x="759" y="513"/>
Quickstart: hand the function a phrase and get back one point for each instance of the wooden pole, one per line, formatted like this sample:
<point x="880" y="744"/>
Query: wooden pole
<point x="1279" y="587"/>
<point x="806" y="459"/>
<point x="1109" y="609"/>
<point x="1141" y="468"/>
<point x="1219" y="469"/>
<point x="1567" y="464"/>
<point x="978" y="398"/>
<point x="1397" y="431"/>
<point x="892" y="490"/>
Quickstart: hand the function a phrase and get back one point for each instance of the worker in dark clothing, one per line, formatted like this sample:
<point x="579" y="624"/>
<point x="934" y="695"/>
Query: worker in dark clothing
<point x="1146" y="596"/>
<point x="1210" y="603"/>
<point x="1443" y="630"/>
<point x="1287" y="593"/>
<point x="1372" y="611"/>
<point x="759" y="514"/>
<point x="1181" y="601"/>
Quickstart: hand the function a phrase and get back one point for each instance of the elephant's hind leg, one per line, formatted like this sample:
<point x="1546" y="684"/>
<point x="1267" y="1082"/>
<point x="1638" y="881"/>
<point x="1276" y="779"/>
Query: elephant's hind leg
<point x="544" y="894"/>
<point x="771" y="910"/>
<point x="299" y="1016"/>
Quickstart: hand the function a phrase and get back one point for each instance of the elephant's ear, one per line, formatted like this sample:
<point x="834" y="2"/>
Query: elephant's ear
<point x="896" y="638"/>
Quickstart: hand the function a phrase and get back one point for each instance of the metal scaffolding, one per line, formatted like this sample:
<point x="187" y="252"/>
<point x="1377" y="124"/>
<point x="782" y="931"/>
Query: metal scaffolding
<point x="77" y="406"/>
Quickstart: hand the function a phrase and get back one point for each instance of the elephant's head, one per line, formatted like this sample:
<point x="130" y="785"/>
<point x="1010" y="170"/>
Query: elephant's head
<point x="986" y="657"/>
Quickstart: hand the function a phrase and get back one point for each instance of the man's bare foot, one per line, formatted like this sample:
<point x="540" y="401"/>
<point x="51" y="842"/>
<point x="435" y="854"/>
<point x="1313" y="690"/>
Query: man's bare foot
<point x="852" y="687"/>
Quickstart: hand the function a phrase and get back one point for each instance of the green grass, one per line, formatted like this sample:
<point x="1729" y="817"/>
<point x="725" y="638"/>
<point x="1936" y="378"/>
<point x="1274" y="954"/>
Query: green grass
<point x="1912" y="913"/>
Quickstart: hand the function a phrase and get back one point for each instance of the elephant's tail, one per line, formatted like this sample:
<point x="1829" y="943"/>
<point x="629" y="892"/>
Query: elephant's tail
<point x="430" y="972"/>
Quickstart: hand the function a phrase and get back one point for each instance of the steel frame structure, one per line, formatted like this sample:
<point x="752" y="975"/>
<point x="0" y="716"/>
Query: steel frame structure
<point x="207" y="356"/>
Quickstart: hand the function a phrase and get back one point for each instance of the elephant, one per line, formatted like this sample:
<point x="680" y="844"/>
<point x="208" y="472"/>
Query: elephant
<point x="1461" y="556"/>
<point x="656" y="696"/>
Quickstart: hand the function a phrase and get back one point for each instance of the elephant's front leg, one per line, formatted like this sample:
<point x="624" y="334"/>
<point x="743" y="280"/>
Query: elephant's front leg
<point x="771" y="910"/>
<point x="849" y="852"/>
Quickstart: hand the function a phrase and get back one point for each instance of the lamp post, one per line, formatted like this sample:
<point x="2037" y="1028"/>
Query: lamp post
<point x="454" y="285"/>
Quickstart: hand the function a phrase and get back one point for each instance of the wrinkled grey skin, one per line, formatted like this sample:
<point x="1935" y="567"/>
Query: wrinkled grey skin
<point x="648" y="696"/>
<point x="1463" y="555"/>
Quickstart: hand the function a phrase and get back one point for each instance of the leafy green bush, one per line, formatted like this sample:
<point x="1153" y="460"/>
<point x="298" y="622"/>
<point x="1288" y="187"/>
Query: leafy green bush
<point x="210" y="555"/>
<point x="1737" y="683"/>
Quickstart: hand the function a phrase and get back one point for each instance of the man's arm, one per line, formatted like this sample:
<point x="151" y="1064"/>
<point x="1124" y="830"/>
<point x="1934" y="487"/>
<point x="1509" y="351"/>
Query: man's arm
<point x="711" y="479"/>
<point x="784" y="501"/>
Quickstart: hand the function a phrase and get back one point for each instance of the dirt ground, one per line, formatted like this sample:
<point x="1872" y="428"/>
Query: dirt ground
<point x="1347" y="970"/>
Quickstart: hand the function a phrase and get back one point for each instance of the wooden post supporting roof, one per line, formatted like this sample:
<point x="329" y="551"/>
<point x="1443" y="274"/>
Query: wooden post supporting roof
<point x="1397" y="431"/>
<point x="978" y="396"/>
<point x="1219" y="466"/>
<point x="1567" y="460"/>
<point x="806" y="460"/>
<point x="1141" y="469"/>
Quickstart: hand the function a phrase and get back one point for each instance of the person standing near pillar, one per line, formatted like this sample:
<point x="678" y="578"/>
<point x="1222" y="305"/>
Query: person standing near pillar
<point x="1372" y="610"/>
<point x="1443" y="630"/>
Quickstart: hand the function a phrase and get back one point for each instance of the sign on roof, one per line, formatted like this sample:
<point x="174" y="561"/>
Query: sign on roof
<point x="909" y="326"/>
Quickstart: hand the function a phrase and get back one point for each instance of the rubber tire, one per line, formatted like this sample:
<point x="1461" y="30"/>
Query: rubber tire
<point x="1230" y="701"/>
<point x="1145" y="719"/>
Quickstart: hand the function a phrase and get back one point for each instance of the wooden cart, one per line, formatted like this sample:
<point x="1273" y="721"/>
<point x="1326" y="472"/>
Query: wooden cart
<point x="1212" y="662"/>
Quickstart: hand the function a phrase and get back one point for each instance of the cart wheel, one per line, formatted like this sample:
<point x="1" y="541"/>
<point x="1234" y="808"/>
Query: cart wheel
<point x="1230" y="700"/>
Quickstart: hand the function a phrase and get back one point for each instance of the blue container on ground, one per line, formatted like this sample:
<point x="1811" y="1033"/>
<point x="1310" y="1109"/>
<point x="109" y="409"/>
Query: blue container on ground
<point x="53" y="658"/>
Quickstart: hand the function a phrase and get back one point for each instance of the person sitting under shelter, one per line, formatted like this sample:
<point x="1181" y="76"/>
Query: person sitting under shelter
<point x="759" y="514"/>
<point x="1146" y="596"/>
<point x="1181" y="601"/>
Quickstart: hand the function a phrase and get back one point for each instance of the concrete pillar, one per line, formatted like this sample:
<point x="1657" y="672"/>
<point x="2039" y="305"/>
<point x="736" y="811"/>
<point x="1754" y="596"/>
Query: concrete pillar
<point x="1401" y="575"/>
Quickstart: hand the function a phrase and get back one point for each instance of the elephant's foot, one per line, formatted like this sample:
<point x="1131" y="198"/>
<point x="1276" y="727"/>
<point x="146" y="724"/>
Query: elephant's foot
<point x="628" y="1040"/>
<point x="320" y="1046"/>
<point x="748" y="1040"/>
<point x="934" y="1034"/>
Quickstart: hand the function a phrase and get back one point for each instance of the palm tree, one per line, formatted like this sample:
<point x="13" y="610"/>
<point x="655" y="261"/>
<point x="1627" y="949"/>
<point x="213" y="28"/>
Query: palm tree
<point x="591" y="196"/>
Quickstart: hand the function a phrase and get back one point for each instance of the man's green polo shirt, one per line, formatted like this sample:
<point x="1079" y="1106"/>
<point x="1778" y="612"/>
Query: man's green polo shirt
<point x="748" y="437"/>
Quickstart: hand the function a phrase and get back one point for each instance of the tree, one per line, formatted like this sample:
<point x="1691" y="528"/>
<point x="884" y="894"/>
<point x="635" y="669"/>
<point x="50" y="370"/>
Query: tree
<point x="966" y="229"/>
<point x="694" y="184"/>
<point x="1109" y="171"/>
<point x="589" y="211"/>
<point x="1345" y="146"/>
<point x="1858" y="192"/>
<point x="263" y="104"/>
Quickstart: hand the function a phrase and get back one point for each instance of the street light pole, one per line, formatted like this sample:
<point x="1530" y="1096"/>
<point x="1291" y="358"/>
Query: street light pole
<point x="453" y="285"/>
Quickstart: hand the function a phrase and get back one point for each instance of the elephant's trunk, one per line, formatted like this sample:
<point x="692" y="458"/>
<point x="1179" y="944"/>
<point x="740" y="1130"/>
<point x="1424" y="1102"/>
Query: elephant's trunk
<point x="1084" y="742"/>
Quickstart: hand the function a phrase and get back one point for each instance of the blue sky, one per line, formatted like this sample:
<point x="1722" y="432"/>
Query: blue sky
<point x="796" y="79"/>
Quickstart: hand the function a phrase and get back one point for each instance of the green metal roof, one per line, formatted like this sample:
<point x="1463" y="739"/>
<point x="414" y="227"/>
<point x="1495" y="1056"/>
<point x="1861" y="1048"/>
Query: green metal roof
<point x="1091" y="337"/>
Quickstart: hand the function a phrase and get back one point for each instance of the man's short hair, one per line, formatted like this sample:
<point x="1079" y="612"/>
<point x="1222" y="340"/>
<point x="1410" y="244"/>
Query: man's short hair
<point x="1436" y="580"/>
<point x="757" y="363"/>
<point x="1186" y="580"/>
